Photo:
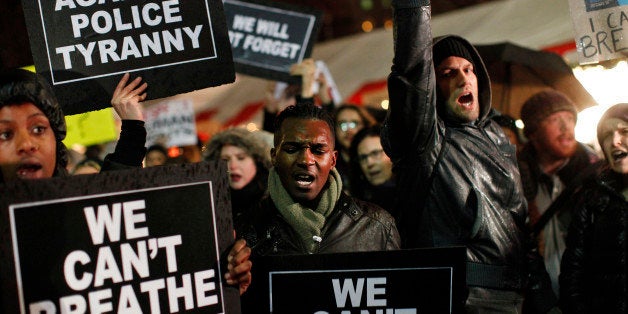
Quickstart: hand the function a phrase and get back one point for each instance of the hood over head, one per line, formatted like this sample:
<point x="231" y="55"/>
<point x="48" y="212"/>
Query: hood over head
<point x="251" y="142"/>
<point x="452" y="45"/>
<point x="618" y="111"/>
<point x="19" y="86"/>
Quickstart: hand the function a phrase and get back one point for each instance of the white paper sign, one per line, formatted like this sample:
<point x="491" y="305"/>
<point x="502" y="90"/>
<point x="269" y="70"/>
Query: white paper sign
<point x="170" y="123"/>
<point x="601" y="29"/>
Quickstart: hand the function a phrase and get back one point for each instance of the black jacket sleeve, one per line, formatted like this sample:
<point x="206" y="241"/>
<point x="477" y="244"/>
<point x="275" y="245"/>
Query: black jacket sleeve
<point x="130" y="149"/>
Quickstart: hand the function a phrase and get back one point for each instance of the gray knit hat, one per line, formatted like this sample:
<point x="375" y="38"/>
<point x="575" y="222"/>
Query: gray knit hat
<point x="253" y="143"/>
<point x="618" y="111"/>
<point x="543" y="104"/>
<point x="20" y="86"/>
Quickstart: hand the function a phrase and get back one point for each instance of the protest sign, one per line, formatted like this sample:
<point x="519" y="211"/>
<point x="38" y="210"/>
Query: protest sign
<point x="403" y="281"/>
<point x="601" y="29"/>
<point x="84" y="47"/>
<point x="90" y="128"/>
<point x="170" y="123"/>
<point x="137" y="241"/>
<point x="268" y="37"/>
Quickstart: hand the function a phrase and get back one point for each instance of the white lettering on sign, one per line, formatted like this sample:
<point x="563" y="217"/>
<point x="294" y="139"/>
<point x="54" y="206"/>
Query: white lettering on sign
<point x="243" y="23"/>
<point x="355" y="290"/>
<point x="109" y="220"/>
<point x="103" y="22"/>
<point x="155" y="43"/>
<point x="199" y="292"/>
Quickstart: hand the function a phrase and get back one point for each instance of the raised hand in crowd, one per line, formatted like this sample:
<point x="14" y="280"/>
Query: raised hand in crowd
<point x="127" y="98"/>
<point x="307" y="70"/>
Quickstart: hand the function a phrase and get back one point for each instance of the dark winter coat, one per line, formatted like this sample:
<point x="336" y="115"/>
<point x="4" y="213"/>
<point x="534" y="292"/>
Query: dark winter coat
<point x="353" y="226"/>
<point x="458" y="182"/>
<point x="593" y="268"/>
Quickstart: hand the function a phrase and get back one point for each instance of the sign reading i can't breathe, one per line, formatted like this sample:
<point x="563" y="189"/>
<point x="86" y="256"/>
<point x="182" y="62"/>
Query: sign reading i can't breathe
<point x="84" y="46"/>
<point x="600" y="27"/>
<point x="267" y="38"/>
<point x="146" y="250"/>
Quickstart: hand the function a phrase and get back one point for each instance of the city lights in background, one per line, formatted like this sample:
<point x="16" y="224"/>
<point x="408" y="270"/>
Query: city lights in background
<point x="608" y="86"/>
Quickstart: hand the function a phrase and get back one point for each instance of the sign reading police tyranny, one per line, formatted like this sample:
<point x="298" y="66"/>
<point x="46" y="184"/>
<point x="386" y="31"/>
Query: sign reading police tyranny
<point x="84" y="46"/>
<point x="142" y="250"/>
<point x="267" y="38"/>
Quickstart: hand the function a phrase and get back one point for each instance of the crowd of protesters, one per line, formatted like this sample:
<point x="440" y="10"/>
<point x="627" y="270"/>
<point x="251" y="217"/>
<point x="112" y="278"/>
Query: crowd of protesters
<point x="542" y="216"/>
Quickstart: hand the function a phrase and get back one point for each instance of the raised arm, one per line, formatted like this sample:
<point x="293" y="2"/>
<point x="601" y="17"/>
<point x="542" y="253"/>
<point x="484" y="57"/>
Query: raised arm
<point x="127" y="102"/>
<point x="411" y="119"/>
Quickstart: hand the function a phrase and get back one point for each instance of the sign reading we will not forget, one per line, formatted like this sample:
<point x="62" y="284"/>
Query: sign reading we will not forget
<point x="267" y="38"/>
<point x="84" y="46"/>
<point x="147" y="249"/>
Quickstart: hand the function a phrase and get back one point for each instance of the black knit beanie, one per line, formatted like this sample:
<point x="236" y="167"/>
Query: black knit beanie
<point x="448" y="47"/>
<point x="543" y="104"/>
<point x="618" y="111"/>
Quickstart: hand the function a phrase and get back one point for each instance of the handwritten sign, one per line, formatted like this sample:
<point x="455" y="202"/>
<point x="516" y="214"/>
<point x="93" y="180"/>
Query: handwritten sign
<point x="84" y="46"/>
<point x="601" y="28"/>
<point x="267" y="38"/>
<point x="144" y="249"/>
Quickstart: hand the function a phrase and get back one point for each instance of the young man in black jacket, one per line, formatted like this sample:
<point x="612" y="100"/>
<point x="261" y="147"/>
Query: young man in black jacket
<point x="306" y="211"/>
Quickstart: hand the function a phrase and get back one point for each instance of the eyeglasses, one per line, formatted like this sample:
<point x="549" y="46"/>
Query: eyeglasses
<point x="377" y="154"/>
<point x="348" y="125"/>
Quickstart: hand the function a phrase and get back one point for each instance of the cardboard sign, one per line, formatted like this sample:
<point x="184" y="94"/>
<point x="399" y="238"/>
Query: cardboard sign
<point x="404" y="281"/>
<point x="600" y="29"/>
<point x="84" y="47"/>
<point x="90" y="128"/>
<point x="267" y="38"/>
<point x="170" y="123"/>
<point x="145" y="240"/>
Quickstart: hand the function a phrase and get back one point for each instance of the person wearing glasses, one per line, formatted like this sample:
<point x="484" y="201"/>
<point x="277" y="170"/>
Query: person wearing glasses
<point x="349" y="119"/>
<point x="371" y="169"/>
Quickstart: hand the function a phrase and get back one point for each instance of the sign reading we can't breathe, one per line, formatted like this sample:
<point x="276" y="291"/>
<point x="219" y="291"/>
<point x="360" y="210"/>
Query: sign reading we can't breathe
<point x="118" y="256"/>
<point x="131" y="241"/>
<point x="84" y="46"/>
<point x="400" y="282"/>
<point x="267" y="38"/>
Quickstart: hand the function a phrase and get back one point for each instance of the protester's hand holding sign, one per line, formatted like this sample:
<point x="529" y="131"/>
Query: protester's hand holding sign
<point x="126" y="99"/>
<point x="308" y="73"/>
<point x="239" y="266"/>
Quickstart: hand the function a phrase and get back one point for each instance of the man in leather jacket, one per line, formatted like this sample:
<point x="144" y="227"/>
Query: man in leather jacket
<point x="457" y="172"/>
<point x="306" y="211"/>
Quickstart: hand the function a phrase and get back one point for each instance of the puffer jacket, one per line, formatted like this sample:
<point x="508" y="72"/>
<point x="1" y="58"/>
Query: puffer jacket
<point x="459" y="182"/>
<point x="593" y="268"/>
<point x="353" y="226"/>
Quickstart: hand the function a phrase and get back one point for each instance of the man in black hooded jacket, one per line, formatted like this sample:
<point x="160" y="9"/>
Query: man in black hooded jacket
<point x="457" y="172"/>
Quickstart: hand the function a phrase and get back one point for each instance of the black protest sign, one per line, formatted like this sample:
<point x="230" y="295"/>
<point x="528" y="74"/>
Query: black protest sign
<point x="84" y="246"/>
<point x="267" y="38"/>
<point x="404" y="281"/>
<point x="84" y="46"/>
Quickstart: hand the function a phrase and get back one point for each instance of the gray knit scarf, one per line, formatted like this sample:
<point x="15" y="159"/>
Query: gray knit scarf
<point x="306" y="222"/>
